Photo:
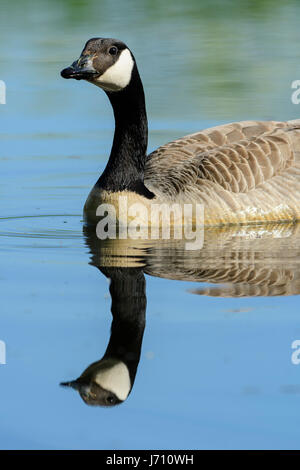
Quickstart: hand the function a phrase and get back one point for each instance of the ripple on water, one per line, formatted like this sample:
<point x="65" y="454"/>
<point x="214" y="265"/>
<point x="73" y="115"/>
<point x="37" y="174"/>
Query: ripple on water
<point x="42" y="226"/>
<point x="42" y="231"/>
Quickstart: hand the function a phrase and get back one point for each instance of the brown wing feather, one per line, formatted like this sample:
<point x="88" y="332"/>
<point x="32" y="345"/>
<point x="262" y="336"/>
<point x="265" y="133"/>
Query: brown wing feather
<point x="246" y="165"/>
<point x="238" y="157"/>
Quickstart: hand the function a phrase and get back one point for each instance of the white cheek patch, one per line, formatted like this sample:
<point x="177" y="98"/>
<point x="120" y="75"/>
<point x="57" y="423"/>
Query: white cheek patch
<point x="115" y="379"/>
<point x="118" y="75"/>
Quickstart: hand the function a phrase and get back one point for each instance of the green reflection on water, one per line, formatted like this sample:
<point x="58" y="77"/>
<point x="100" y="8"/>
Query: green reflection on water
<point x="223" y="60"/>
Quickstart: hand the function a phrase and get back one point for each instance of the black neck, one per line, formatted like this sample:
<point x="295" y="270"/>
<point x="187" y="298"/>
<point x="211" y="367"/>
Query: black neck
<point x="125" y="168"/>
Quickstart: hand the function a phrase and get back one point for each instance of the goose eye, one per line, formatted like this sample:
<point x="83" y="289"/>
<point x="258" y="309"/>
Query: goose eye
<point x="110" y="399"/>
<point x="113" y="50"/>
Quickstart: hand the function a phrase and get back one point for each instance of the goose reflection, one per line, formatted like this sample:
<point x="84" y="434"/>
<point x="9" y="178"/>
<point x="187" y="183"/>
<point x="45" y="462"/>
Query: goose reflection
<point x="108" y="382"/>
<point x="234" y="262"/>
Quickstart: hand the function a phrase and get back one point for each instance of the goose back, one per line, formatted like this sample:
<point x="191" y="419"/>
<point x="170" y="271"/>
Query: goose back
<point x="242" y="172"/>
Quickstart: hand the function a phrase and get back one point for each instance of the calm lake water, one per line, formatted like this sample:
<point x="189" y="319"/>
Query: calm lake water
<point x="215" y="368"/>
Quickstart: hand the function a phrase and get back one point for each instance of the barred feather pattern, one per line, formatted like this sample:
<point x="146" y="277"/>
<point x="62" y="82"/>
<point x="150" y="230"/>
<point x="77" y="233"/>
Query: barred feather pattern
<point x="242" y="172"/>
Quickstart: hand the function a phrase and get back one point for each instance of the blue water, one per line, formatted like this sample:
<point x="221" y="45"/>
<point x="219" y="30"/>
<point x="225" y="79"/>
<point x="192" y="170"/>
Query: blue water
<point x="215" y="372"/>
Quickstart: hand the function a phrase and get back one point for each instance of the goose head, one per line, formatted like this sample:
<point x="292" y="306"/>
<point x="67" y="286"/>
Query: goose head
<point x="107" y="63"/>
<point x="104" y="383"/>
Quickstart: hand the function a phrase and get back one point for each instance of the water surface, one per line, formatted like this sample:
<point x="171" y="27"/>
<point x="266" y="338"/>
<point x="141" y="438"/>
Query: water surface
<point x="215" y="367"/>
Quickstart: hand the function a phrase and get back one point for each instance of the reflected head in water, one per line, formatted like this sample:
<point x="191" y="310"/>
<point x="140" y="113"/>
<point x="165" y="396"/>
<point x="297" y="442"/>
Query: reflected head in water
<point x="113" y="376"/>
<point x="109" y="381"/>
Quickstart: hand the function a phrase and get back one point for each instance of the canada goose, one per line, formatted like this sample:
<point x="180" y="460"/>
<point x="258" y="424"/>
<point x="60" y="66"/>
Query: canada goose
<point x="109" y="381"/>
<point x="243" y="172"/>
